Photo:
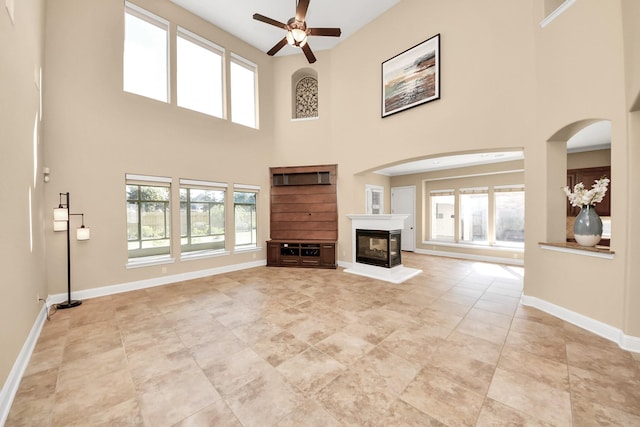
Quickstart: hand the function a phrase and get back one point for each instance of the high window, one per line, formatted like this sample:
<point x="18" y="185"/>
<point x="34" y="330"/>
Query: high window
<point x="199" y="74"/>
<point x="243" y="91"/>
<point x="148" y="215"/>
<point x="509" y="215"/>
<point x="245" y="216"/>
<point x="474" y="215"/>
<point x="443" y="223"/>
<point x="202" y="216"/>
<point x="145" y="61"/>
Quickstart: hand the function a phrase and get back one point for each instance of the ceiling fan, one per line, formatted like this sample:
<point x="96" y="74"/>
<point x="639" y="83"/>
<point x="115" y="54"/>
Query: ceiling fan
<point x="297" y="31"/>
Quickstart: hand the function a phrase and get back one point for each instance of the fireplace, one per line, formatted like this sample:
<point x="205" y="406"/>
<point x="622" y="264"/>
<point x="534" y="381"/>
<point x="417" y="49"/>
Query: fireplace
<point x="378" y="247"/>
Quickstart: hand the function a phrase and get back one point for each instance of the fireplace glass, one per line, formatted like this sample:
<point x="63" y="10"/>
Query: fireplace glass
<point x="378" y="247"/>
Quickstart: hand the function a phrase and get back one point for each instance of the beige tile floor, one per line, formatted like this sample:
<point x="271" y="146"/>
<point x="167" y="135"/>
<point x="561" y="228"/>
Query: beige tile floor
<point x="296" y="347"/>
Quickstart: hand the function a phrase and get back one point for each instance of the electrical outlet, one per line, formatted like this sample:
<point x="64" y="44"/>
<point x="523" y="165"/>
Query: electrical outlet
<point x="164" y="270"/>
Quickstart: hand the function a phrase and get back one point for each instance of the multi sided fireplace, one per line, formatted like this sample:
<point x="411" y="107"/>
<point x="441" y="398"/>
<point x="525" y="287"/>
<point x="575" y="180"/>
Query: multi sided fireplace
<point x="378" y="247"/>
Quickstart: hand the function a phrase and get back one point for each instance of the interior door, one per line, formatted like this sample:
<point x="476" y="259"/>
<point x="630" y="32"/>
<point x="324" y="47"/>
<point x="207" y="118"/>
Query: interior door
<point x="403" y="201"/>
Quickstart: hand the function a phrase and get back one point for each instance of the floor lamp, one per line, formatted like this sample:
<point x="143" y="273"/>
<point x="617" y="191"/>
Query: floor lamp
<point x="61" y="217"/>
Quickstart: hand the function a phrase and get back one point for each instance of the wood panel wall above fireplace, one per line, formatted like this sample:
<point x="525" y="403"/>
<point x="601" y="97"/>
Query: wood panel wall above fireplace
<point x="304" y="214"/>
<point x="304" y="204"/>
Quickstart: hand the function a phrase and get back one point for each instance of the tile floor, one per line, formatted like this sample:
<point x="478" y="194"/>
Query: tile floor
<point x="295" y="347"/>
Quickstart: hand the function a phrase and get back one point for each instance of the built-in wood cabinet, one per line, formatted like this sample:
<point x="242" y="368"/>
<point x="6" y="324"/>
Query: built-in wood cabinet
<point x="304" y="216"/>
<point x="588" y="176"/>
<point x="318" y="254"/>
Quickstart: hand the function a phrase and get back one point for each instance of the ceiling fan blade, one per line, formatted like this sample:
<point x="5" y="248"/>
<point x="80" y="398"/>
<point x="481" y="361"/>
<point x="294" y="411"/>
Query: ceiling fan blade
<point x="270" y="21"/>
<point x="301" y="10"/>
<point x="277" y="47"/>
<point x="332" y="32"/>
<point x="308" y="53"/>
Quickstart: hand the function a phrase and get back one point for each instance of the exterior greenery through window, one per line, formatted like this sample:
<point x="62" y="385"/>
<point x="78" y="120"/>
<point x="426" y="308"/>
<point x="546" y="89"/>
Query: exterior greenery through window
<point x="246" y="224"/>
<point x="148" y="220"/>
<point x="202" y="225"/>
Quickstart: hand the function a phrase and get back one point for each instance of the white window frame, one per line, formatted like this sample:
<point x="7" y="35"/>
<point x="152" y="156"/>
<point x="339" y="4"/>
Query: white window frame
<point x="470" y="191"/>
<point x="245" y="63"/>
<point x="432" y="218"/>
<point x="205" y="252"/>
<point x="145" y="15"/>
<point x="151" y="259"/>
<point x="182" y="33"/>
<point x="370" y="208"/>
<point x="498" y="190"/>
<point x="243" y="188"/>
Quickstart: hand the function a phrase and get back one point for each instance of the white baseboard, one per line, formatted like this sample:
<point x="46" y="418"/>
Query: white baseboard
<point x="150" y="283"/>
<point x="11" y="385"/>
<point x="626" y="342"/>
<point x="460" y="255"/>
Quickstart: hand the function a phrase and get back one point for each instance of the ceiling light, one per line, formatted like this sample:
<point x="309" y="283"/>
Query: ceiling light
<point x="297" y="37"/>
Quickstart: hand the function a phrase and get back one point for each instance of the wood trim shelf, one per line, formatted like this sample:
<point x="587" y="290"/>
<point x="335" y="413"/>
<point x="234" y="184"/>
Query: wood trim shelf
<point x="570" y="247"/>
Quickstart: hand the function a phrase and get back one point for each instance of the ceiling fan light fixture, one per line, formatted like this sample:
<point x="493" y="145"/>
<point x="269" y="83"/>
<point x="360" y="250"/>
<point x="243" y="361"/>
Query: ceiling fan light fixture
<point x="296" y="37"/>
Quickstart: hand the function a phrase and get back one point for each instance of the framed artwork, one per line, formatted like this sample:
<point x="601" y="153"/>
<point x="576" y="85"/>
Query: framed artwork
<point x="411" y="78"/>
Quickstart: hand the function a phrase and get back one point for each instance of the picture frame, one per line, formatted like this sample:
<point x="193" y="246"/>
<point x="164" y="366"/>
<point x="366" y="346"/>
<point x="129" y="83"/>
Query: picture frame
<point x="412" y="77"/>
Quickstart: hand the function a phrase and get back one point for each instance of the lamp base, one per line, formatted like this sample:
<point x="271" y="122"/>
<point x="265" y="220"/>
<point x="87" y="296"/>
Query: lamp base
<point x="68" y="304"/>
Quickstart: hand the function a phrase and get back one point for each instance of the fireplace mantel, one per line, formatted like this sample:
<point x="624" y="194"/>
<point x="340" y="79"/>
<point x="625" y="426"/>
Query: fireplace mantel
<point x="388" y="222"/>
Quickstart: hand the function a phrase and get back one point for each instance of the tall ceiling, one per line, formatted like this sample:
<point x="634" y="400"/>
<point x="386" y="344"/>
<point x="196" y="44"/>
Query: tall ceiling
<point x="236" y="17"/>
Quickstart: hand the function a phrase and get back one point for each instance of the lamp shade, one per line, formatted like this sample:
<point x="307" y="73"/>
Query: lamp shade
<point x="83" y="233"/>
<point x="59" y="225"/>
<point x="297" y="37"/>
<point x="61" y="214"/>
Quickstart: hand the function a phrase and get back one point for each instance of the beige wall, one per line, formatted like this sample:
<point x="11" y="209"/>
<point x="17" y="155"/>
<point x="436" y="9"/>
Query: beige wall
<point x="21" y="179"/>
<point x="571" y="89"/>
<point x="97" y="133"/>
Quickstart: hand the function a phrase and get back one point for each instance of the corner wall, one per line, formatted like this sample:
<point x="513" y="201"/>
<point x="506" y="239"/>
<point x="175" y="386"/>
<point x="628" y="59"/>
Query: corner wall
<point x="21" y="178"/>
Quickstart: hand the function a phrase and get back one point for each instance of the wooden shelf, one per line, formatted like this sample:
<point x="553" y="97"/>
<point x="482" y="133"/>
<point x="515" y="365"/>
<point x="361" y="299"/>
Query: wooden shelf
<point x="293" y="253"/>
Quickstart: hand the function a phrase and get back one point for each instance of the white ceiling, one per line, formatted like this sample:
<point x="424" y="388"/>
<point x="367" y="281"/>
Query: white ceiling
<point x="236" y="17"/>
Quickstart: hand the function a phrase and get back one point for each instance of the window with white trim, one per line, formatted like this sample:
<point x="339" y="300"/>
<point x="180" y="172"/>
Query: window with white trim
<point x="202" y="216"/>
<point x="199" y="74"/>
<point x="374" y="195"/>
<point x="443" y="205"/>
<point x="148" y="215"/>
<point x="245" y="202"/>
<point x="244" y="77"/>
<point x="474" y="215"/>
<point x="145" y="59"/>
<point x="509" y="215"/>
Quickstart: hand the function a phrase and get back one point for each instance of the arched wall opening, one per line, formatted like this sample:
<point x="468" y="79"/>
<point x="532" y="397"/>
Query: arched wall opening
<point x="585" y="146"/>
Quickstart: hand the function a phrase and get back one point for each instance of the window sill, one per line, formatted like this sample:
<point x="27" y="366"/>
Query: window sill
<point x="484" y="246"/>
<point x="242" y="249"/>
<point x="574" y="248"/>
<point x="189" y="256"/>
<point x="148" y="261"/>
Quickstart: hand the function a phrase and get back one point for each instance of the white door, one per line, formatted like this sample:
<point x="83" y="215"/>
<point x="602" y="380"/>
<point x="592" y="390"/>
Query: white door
<point x="403" y="201"/>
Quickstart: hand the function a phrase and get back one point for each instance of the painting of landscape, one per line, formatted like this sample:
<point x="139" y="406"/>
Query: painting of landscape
<point x="412" y="77"/>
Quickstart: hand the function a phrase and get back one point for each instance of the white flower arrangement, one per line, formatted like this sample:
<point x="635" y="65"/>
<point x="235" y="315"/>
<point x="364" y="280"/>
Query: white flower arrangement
<point x="582" y="197"/>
